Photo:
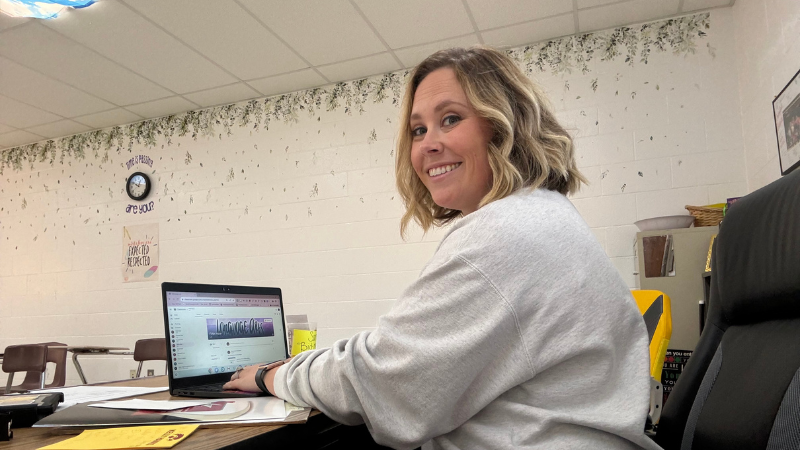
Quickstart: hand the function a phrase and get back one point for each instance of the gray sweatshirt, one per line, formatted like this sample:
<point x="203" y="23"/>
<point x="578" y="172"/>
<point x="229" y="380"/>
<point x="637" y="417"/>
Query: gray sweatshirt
<point x="519" y="333"/>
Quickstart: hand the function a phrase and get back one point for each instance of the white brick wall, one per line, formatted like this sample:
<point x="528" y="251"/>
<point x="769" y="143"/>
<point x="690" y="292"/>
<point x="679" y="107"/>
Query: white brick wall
<point x="768" y="55"/>
<point x="311" y="206"/>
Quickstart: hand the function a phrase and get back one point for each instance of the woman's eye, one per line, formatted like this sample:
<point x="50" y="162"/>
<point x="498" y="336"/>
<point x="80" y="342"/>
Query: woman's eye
<point x="450" y="120"/>
<point x="419" y="131"/>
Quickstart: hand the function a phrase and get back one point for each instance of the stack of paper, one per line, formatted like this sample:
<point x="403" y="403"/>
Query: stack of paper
<point x="151" y="405"/>
<point x="202" y="410"/>
<point x="232" y="410"/>
<point x="82" y="394"/>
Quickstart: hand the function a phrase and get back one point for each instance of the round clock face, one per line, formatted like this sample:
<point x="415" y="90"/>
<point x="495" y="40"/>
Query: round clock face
<point x="138" y="186"/>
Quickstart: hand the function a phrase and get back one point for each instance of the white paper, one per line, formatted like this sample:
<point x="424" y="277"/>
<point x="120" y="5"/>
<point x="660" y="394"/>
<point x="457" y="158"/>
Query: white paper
<point x="236" y="408"/>
<point x="82" y="394"/>
<point x="152" y="405"/>
<point x="263" y="408"/>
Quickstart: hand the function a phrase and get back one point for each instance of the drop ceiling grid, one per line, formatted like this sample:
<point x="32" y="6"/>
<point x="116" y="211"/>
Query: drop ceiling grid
<point x="239" y="43"/>
<point x="41" y="49"/>
<point x="433" y="21"/>
<point x="140" y="51"/>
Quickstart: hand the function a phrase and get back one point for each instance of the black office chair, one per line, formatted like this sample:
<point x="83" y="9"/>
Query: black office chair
<point x="741" y="387"/>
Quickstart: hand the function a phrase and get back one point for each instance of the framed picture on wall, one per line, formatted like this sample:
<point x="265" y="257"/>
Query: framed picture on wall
<point x="786" y="107"/>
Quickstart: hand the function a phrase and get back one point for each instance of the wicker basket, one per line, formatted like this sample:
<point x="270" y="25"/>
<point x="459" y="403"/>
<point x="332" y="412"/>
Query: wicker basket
<point x="705" y="216"/>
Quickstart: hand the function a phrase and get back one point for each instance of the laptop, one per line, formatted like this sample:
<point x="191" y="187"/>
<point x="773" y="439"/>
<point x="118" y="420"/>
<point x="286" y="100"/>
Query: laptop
<point x="213" y="330"/>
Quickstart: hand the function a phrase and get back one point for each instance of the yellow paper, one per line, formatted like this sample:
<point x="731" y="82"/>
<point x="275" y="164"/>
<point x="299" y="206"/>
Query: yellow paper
<point x="154" y="436"/>
<point x="303" y="340"/>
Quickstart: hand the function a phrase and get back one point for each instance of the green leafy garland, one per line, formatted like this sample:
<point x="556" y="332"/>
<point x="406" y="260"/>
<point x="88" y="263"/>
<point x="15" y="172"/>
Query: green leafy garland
<point x="563" y="55"/>
<point x="559" y="56"/>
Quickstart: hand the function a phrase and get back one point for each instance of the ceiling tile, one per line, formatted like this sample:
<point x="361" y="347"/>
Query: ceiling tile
<point x="7" y="22"/>
<point x="59" y="129"/>
<point x="134" y="52"/>
<point x="433" y="20"/>
<point x="239" y="42"/>
<point x="412" y="56"/>
<point x="489" y="14"/>
<point x="288" y="82"/>
<point x="625" y="13"/>
<point x="163" y="107"/>
<point x="28" y="86"/>
<point x="124" y="36"/>
<point x="528" y="33"/>
<point x="323" y="32"/>
<point x="360" y="68"/>
<point x="54" y="55"/>
<point x="110" y="118"/>
<point x="592" y="3"/>
<point x="694" y="5"/>
<point x="19" y="137"/>
<point x="20" y="115"/>
<point x="223" y="95"/>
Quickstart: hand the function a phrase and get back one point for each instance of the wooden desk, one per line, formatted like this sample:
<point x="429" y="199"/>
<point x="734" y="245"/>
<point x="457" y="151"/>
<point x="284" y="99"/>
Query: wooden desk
<point x="320" y="431"/>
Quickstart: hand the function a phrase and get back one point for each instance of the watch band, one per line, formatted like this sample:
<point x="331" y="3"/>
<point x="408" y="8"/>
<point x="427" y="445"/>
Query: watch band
<point x="260" y="379"/>
<point x="264" y="369"/>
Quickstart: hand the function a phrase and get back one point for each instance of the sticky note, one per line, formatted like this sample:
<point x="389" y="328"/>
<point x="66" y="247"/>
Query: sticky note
<point x="154" y="436"/>
<point x="303" y="340"/>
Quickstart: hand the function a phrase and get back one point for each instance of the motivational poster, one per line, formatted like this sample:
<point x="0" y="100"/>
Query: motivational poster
<point x="140" y="253"/>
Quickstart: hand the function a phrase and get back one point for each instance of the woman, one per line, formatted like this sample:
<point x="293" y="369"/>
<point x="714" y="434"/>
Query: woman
<point x="519" y="333"/>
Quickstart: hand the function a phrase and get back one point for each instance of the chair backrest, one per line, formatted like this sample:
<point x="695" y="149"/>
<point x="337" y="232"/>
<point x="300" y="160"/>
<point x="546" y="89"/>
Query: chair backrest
<point x="57" y="356"/>
<point x="150" y="350"/>
<point x="24" y="358"/>
<point x="656" y="310"/>
<point x="741" y="387"/>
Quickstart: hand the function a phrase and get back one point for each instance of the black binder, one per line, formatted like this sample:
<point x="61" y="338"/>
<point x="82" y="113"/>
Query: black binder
<point x="27" y="409"/>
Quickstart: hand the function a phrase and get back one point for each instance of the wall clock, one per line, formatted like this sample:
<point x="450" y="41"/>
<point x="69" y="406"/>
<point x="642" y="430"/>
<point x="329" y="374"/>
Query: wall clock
<point x="138" y="186"/>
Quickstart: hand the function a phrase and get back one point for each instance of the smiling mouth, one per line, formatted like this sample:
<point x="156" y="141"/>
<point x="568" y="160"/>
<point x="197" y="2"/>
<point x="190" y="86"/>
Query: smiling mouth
<point x="436" y="171"/>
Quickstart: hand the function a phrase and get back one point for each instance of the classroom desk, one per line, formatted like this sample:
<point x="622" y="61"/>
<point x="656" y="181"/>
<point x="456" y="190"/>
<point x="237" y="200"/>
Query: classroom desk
<point x="91" y="350"/>
<point x="320" y="431"/>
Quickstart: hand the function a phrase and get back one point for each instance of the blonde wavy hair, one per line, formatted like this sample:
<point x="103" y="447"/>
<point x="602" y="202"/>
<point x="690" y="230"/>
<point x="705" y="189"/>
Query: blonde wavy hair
<point x="529" y="148"/>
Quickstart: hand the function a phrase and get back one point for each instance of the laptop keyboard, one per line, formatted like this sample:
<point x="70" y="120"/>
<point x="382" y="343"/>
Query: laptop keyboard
<point x="214" y="387"/>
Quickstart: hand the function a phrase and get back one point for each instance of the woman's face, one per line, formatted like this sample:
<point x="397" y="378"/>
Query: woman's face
<point x="449" y="151"/>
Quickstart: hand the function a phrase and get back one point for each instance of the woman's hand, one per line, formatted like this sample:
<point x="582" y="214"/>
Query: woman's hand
<point x="245" y="379"/>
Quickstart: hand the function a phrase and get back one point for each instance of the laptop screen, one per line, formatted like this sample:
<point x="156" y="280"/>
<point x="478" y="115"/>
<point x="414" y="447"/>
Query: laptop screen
<point x="213" y="333"/>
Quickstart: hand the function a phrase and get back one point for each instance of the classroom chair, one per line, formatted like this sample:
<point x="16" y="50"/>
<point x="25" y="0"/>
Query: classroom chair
<point x="656" y="311"/>
<point x="25" y="358"/>
<point x="57" y="356"/>
<point x="149" y="350"/>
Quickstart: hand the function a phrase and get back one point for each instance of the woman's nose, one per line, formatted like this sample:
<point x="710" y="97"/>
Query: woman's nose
<point x="431" y="143"/>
